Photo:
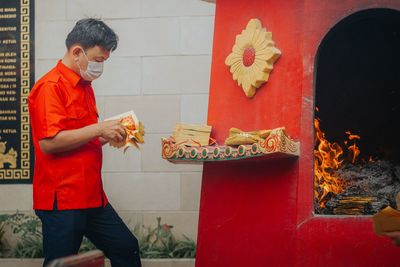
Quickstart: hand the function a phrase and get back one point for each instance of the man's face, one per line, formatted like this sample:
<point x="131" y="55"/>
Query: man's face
<point x="95" y="53"/>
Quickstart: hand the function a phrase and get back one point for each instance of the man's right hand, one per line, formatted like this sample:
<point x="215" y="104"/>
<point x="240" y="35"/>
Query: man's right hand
<point x="112" y="130"/>
<point x="71" y="139"/>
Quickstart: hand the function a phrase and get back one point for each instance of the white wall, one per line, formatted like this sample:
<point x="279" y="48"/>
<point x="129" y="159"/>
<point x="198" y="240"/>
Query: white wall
<point x="161" y="69"/>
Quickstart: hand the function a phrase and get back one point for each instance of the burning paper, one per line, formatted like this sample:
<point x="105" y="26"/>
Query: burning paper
<point x="134" y="130"/>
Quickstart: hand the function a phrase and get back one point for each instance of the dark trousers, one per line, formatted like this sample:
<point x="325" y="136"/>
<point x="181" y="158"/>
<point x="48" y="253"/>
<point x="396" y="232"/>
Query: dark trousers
<point x="63" y="231"/>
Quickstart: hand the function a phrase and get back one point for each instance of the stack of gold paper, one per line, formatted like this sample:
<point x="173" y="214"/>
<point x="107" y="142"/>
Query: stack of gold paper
<point x="387" y="220"/>
<point x="238" y="137"/>
<point x="352" y="205"/>
<point x="192" y="134"/>
<point x="134" y="131"/>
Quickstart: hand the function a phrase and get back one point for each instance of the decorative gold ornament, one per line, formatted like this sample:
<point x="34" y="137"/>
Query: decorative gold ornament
<point x="10" y="157"/>
<point x="252" y="58"/>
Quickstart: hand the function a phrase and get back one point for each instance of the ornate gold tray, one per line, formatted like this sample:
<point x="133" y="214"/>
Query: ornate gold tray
<point x="277" y="144"/>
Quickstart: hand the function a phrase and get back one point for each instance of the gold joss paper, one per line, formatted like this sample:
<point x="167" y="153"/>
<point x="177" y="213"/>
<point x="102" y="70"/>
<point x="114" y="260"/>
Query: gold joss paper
<point x="134" y="131"/>
<point x="239" y="137"/>
<point x="192" y="134"/>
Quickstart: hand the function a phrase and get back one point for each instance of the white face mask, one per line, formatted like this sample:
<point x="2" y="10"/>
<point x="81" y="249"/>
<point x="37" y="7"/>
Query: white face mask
<point x="93" y="71"/>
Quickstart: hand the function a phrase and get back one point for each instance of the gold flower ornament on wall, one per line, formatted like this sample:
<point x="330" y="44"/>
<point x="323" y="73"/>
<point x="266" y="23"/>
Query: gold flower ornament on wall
<point x="253" y="57"/>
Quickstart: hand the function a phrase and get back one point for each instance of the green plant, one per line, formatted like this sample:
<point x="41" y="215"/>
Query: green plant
<point x="159" y="242"/>
<point x="28" y="230"/>
<point x="2" y="246"/>
<point x="86" y="245"/>
<point x="185" y="248"/>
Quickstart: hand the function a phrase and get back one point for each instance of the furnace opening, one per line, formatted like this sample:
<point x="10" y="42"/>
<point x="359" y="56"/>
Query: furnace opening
<point x="357" y="116"/>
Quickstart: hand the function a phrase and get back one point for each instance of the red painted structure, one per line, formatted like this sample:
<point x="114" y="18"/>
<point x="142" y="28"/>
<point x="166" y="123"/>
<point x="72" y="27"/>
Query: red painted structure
<point x="261" y="213"/>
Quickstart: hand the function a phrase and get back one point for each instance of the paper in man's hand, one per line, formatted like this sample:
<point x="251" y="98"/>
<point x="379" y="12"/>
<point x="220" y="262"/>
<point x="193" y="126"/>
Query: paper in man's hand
<point x="134" y="130"/>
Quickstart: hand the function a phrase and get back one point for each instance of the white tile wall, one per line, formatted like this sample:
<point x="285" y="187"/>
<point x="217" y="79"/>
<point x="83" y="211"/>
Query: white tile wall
<point x="161" y="75"/>
<point x="105" y="9"/>
<point x="115" y="160"/>
<point x="195" y="35"/>
<point x="176" y="74"/>
<point x="158" y="113"/>
<point x="100" y="104"/>
<point x="190" y="191"/>
<point x="15" y="197"/>
<point x="43" y="66"/>
<point x="50" y="38"/>
<point x="46" y="10"/>
<point x="194" y="109"/>
<point x="143" y="191"/>
<point x="195" y="74"/>
<point x="157" y="8"/>
<point x="147" y="37"/>
<point x="121" y="76"/>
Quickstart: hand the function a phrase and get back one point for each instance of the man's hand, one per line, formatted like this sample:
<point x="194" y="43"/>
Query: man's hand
<point x="112" y="130"/>
<point x="395" y="236"/>
<point x="71" y="139"/>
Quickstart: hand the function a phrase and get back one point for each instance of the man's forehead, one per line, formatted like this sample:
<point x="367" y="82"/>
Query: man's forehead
<point x="98" y="51"/>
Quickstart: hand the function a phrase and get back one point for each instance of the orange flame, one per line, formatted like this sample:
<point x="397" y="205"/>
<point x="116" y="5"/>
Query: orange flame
<point x="352" y="136"/>
<point x="353" y="149"/>
<point x="327" y="182"/>
<point x="327" y="161"/>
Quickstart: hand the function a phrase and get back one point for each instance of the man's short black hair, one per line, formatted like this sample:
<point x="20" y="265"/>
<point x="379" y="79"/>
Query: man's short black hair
<point x="90" y="33"/>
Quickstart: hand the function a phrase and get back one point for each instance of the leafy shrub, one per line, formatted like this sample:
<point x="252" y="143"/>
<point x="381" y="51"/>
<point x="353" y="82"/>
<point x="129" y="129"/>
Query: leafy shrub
<point x="86" y="245"/>
<point x="2" y="245"/>
<point x="28" y="231"/>
<point x="158" y="242"/>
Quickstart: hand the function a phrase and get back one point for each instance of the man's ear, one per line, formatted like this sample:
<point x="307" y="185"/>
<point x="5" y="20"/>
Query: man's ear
<point x="75" y="50"/>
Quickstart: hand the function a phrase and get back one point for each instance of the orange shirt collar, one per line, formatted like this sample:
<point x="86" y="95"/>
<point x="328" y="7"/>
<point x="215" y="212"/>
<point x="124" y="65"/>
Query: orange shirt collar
<point x="68" y="74"/>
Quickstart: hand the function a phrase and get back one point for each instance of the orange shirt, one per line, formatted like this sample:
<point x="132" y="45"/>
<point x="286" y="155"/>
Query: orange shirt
<point x="60" y="101"/>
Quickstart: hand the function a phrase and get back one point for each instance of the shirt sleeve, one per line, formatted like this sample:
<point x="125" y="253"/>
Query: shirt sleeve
<point x="48" y="112"/>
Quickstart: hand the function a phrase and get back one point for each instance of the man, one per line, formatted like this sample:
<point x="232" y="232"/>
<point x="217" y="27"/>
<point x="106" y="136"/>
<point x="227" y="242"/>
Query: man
<point x="68" y="193"/>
